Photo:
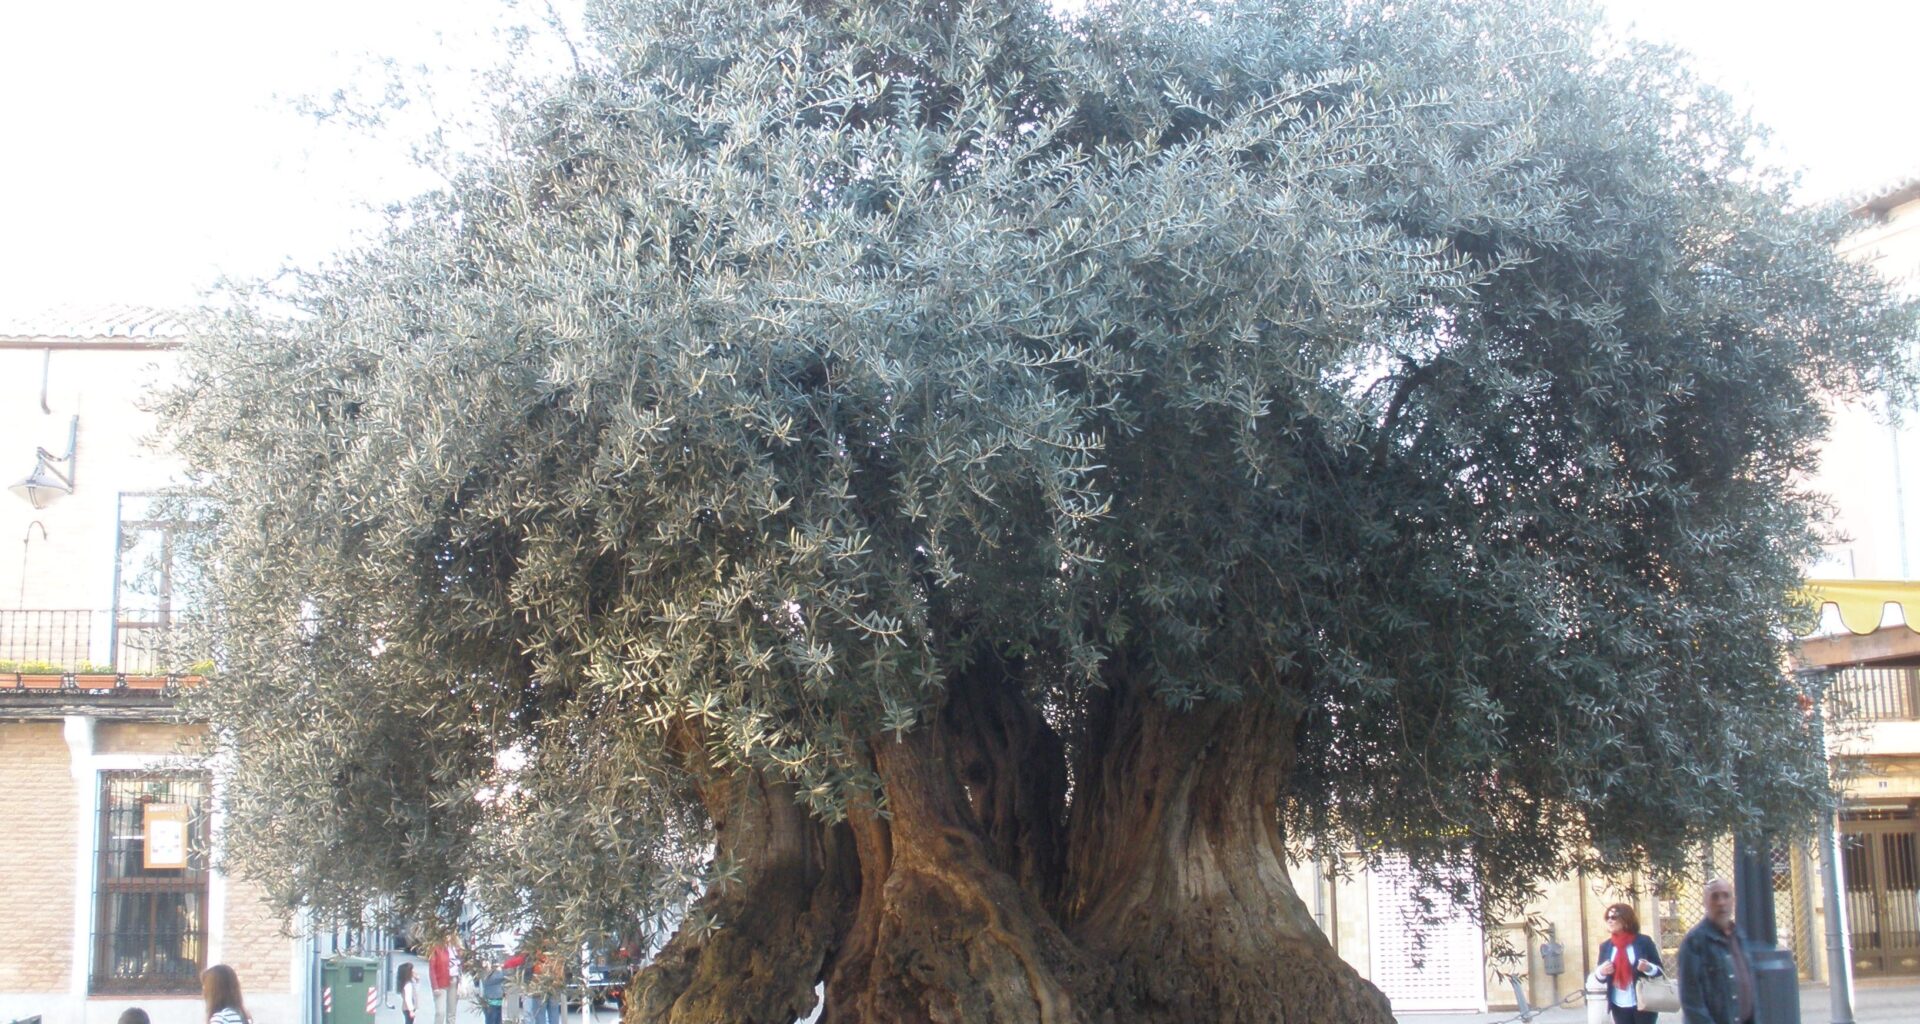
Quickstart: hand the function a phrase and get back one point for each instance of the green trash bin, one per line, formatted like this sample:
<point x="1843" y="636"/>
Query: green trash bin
<point x="349" y="989"/>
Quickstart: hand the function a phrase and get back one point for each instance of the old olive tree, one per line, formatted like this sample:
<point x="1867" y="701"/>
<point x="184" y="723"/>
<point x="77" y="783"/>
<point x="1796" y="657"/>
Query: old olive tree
<point x="940" y="500"/>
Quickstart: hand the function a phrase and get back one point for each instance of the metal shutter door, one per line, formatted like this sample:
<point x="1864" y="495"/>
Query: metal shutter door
<point x="1422" y="964"/>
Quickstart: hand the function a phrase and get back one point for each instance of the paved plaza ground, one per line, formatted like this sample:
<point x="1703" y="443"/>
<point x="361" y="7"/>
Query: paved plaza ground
<point x="1875" y="1001"/>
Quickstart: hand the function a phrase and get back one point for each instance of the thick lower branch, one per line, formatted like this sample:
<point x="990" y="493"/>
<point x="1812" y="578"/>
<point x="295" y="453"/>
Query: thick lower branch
<point x="1012" y="769"/>
<point x="948" y="935"/>
<point x="775" y="927"/>
<point x="1177" y="872"/>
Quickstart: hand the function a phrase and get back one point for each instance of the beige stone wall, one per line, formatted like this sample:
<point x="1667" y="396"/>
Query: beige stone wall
<point x="1891" y="246"/>
<point x="254" y="944"/>
<point x="163" y="738"/>
<point x="1882" y="779"/>
<point x="37" y="843"/>
<point x="1351" y="924"/>
<point x="1570" y="911"/>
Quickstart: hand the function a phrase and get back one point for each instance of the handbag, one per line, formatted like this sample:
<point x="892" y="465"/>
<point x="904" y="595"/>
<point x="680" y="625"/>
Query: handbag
<point x="1656" y="995"/>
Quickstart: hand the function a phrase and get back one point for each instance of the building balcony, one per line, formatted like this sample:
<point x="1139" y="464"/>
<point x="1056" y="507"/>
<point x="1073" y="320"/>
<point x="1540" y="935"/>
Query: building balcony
<point x="95" y="651"/>
<point x="1875" y="712"/>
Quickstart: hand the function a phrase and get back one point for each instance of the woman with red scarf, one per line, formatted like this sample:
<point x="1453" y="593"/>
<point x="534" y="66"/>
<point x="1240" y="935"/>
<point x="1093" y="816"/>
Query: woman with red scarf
<point x="1625" y="957"/>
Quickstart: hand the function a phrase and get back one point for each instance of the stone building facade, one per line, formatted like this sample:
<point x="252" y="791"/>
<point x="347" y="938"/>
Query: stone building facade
<point x="107" y="817"/>
<point x="1872" y="661"/>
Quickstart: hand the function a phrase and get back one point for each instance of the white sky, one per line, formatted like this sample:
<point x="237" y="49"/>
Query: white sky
<point x="1834" y="79"/>
<point x="147" y="147"/>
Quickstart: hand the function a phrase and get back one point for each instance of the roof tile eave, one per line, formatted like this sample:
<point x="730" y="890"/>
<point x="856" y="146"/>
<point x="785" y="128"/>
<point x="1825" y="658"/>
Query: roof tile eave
<point x="1878" y="200"/>
<point x="108" y="323"/>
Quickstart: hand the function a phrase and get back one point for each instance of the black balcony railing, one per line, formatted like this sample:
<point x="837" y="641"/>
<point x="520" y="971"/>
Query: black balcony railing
<point x="62" y="641"/>
<point x="1876" y="695"/>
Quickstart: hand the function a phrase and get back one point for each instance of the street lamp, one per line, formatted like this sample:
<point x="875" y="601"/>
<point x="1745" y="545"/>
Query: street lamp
<point x="48" y="483"/>
<point x="1817" y="682"/>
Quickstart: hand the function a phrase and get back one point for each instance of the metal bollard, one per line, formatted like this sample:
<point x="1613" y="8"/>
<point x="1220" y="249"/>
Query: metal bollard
<point x="1597" y="1001"/>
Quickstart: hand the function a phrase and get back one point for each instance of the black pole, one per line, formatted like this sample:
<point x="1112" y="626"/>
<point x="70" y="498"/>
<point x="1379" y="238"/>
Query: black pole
<point x="1776" y="977"/>
<point x="1753" y="889"/>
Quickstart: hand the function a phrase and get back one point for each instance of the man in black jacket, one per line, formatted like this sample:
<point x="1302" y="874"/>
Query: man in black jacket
<point x="1716" y="978"/>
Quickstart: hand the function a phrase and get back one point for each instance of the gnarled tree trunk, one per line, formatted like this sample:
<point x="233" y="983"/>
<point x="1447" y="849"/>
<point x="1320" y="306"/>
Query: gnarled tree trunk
<point x="972" y="896"/>
<point x="1177" y="872"/>
<point x="775" y="926"/>
<point x="951" y="926"/>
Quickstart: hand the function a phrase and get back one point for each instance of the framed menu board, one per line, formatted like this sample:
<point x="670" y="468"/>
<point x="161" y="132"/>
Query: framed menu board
<point x="164" y="827"/>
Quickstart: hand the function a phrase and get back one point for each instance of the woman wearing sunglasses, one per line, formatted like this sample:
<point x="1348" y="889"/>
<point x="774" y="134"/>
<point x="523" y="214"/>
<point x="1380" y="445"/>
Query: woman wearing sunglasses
<point x="1625" y="957"/>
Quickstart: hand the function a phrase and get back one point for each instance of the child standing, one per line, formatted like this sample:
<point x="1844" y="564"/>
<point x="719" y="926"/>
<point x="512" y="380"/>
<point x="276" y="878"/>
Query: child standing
<point x="409" y="990"/>
<point x="493" y="993"/>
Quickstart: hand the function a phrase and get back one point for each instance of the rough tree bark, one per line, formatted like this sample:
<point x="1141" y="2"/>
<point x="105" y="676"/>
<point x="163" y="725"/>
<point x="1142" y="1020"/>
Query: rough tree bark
<point x="946" y="932"/>
<point x="1013" y="771"/>
<point x="777" y="923"/>
<point x="973" y="897"/>
<point x="1177" y="871"/>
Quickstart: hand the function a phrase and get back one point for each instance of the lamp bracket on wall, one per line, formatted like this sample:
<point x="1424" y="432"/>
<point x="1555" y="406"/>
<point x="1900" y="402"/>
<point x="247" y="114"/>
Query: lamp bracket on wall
<point x="49" y="482"/>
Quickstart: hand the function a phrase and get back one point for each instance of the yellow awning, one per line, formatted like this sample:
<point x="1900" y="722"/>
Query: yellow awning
<point x="1863" y="602"/>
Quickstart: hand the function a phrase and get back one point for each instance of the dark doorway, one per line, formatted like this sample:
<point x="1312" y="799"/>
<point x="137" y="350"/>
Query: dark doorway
<point x="1880" y="851"/>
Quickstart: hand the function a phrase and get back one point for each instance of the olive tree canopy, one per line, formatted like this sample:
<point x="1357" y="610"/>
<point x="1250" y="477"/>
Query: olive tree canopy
<point x="961" y="495"/>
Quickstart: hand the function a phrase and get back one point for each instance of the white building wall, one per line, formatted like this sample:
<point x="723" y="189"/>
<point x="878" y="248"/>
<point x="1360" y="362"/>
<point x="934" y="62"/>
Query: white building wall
<point x="71" y="565"/>
<point x="1871" y="468"/>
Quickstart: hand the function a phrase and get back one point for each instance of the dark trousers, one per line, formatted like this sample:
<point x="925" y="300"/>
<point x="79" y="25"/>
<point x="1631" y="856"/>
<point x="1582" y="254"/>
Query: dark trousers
<point x="493" y="1012"/>
<point x="1629" y="1015"/>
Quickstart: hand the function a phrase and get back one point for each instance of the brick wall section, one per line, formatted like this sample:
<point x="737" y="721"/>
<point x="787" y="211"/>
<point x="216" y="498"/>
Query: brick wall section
<point x="255" y="945"/>
<point x="37" y="843"/>
<point x="162" y="738"/>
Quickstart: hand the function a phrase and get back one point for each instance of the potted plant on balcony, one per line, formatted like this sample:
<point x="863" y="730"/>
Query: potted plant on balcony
<point x="88" y="676"/>
<point x="33" y="675"/>
<point x="145" y="681"/>
<point x="195" y="673"/>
